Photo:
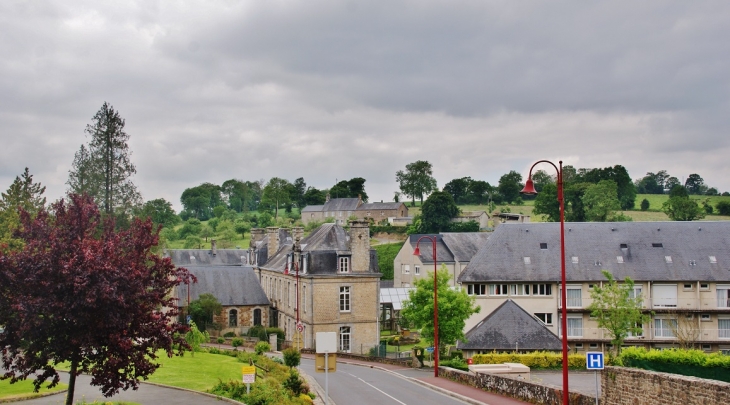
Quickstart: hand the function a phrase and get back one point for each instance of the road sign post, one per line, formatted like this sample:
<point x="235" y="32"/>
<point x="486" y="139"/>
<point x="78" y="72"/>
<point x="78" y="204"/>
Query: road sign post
<point x="594" y="361"/>
<point x="249" y="376"/>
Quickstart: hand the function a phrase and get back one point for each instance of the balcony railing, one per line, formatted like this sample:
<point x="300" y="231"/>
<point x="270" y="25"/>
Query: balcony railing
<point x="669" y="334"/>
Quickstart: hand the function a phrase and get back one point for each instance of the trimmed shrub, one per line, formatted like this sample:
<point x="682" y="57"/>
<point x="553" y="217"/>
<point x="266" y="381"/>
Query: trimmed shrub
<point x="229" y="334"/>
<point x="262" y="347"/>
<point x="292" y="357"/>
<point x="644" y="204"/>
<point x="696" y="363"/>
<point x="220" y="340"/>
<point x="534" y="360"/>
<point x="235" y="342"/>
<point x="723" y="207"/>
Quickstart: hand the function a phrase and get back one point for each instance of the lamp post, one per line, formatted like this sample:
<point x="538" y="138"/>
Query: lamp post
<point x="417" y="252"/>
<point x="530" y="189"/>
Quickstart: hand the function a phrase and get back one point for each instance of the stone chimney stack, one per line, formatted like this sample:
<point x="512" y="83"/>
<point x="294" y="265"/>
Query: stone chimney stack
<point x="272" y="233"/>
<point x="360" y="246"/>
<point x="327" y="198"/>
<point x="213" y="247"/>
<point x="257" y="235"/>
<point x="359" y="200"/>
<point x="297" y="233"/>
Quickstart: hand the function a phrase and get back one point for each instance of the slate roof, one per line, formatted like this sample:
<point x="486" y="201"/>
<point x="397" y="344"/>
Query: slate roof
<point x="322" y="247"/>
<point x="464" y="245"/>
<point x="231" y="285"/>
<point x="341" y="204"/>
<point x="443" y="254"/>
<point x="204" y="257"/>
<point x="507" y="328"/>
<point x="374" y="206"/>
<point x="313" y="208"/>
<point x="643" y="248"/>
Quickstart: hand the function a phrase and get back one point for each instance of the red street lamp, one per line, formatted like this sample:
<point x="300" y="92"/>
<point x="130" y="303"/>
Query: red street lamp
<point x="417" y="252"/>
<point x="530" y="189"/>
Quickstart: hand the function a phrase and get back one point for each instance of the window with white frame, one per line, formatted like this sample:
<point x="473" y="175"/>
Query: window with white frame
<point x="665" y="327"/>
<point x="687" y="286"/>
<point x="640" y="332"/>
<point x="575" y="326"/>
<point x="519" y="289"/>
<point x="498" y="289"/>
<point x="593" y="345"/>
<point x="664" y="295"/>
<point x="345" y="339"/>
<point x="574" y="295"/>
<point x="345" y="299"/>
<point x="344" y="265"/>
<point x="704" y="286"/>
<point x="705" y="317"/>
<point x="723" y="296"/>
<point x="635" y="292"/>
<point x="406" y="269"/>
<point x="476" y="289"/>
<point x="542" y="289"/>
<point x="723" y="326"/>
<point x="546" y="318"/>
<point x="417" y="270"/>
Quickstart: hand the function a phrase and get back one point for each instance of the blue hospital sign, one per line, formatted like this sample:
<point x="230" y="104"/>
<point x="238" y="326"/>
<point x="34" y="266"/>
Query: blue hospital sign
<point x="594" y="361"/>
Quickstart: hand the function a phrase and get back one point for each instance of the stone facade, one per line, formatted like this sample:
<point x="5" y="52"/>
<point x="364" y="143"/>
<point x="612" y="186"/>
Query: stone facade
<point x="326" y="296"/>
<point x="628" y="386"/>
<point x="244" y="318"/>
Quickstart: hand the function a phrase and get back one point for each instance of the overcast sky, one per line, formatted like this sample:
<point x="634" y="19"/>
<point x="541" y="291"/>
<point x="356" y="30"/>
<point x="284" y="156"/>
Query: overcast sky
<point x="327" y="90"/>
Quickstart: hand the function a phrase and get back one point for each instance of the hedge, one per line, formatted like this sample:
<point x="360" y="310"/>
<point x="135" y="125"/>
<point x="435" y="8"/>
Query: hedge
<point x="695" y="363"/>
<point x="534" y="360"/>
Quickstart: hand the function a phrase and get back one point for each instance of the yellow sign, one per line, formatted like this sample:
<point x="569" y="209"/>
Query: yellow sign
<point x="319" y="363"/>
<point x="248" y="370"/>
<point x="297" y="340"/>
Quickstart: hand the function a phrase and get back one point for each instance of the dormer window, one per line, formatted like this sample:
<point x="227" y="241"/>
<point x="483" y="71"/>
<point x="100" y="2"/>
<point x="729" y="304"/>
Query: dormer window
<point x="344" y="264"/>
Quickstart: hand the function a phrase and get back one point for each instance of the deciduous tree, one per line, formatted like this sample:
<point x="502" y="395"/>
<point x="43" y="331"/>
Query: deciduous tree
<point x="695" y="184"/>
<point x="202" y="309"/>
<point x="682" y="209"/>
<point x="617" y="309"/>
<point x="600" y="201"/>
<point x="437" y="212"/>
<point x="276" y="194"/>
<point x="417" y="180"/>
<point x="160" y="211"/>
<point x="454" y="308"/>
<point x="509" y="186"/>
<point x="82" y="292"/>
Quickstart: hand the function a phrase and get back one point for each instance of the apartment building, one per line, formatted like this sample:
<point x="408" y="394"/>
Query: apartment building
<point x="680" y="269"/>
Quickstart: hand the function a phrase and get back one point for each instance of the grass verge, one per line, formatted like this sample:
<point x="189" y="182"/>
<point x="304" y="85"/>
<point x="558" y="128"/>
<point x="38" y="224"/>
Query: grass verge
<point x="24" y="389"/>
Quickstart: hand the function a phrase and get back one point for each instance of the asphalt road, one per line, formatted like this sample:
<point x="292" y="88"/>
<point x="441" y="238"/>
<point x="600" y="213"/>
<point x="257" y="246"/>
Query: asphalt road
<point x="352" y="384"/>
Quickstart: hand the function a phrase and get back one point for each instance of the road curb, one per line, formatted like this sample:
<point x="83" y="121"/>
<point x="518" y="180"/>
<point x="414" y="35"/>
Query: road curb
<point x="47" y="394"/>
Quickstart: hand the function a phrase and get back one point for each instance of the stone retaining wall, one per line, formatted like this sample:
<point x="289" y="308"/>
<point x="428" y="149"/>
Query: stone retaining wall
<point x="628" y="386"/>
<point x="515" y="388"/>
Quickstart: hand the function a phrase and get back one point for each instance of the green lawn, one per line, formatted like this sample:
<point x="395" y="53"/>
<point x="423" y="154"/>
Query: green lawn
<point x="200" y="372"/>
<point x="24" y="389"/>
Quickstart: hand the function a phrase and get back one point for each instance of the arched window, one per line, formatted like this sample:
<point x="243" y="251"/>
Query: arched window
<point x="256" y="317"/>
<point x="233" y="318"/>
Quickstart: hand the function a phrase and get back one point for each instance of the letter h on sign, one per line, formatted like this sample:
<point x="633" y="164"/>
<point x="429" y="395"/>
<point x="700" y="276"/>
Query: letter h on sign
<point x="594" y="361"/>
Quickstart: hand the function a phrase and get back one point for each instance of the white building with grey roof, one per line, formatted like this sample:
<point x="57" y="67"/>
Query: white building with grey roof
<point x="681" y="269"/>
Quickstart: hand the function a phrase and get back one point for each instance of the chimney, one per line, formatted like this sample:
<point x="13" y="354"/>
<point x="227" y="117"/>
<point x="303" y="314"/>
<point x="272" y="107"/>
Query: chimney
<point x="257" y="235"/>
<point x="297" y="233"/>
<point x="272" y="233"/>
<point x="327" y="198"/>
<point x="213" y="247"/>
<point x="359" y="200"/>
<point x="360" y="246"/>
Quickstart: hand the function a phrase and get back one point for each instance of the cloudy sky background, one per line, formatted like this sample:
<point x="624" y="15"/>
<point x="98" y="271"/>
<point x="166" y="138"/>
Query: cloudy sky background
<point x="326" y="90"/>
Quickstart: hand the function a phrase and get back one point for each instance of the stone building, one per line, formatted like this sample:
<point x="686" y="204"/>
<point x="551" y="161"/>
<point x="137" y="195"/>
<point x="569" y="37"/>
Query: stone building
<point x="335" y="289"/>
<point x="222" y="272"/>
<point x="680" y="269"/>
<point x="341" y="209"/>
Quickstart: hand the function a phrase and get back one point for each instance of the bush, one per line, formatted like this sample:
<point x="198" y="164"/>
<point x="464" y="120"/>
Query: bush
<point x="723" y="207"/>
<point x="644" y="204"/>
<point x="292" y="357"/>
<point x="695" y="363"/>
<point x="295" y="384"/>
<point x="262" y="347"/>
<point x="257" y="331"/>
<point x="236" y="342"/>
<point x="457" y="363"/>
<point x="220" y="340"/>
<point x="536" y="360"/>
<point x="229" y="334"/>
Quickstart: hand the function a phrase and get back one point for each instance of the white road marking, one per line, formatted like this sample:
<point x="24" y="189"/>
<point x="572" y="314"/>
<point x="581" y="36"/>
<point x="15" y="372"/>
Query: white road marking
<point x="377" y="389"/>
